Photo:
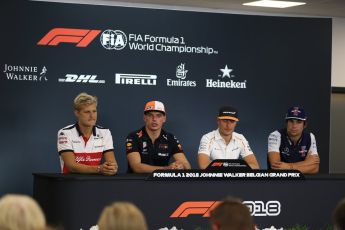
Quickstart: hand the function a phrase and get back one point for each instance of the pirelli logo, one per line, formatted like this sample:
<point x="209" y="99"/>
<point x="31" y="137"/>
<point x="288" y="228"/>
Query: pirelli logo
<point x="135" y="79"/>
<point x="203" y="208"/>
<point x="81" y="37"/>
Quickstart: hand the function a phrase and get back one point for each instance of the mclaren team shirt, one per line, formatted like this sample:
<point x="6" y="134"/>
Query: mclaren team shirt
<point x="213" y="145"/>
<point x="87" y="152"/>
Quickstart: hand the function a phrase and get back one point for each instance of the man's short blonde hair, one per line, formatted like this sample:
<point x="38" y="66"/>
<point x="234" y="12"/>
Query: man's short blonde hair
<point x="20" y="212"/>
<point x="84" y="99"/>
<point x="122" y="216"/>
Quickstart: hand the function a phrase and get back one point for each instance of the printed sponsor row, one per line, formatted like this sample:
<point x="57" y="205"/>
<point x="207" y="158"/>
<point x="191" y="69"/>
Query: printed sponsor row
<point x="225" y="78"/>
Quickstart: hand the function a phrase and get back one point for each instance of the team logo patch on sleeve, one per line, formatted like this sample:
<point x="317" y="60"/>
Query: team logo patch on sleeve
<point x="129" y="144"/>
<point x="249" y="148"/>
<point x="62" y="138"/>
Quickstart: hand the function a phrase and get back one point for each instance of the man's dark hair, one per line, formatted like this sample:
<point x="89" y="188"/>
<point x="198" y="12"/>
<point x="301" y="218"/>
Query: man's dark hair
<point x="339" y="215"/>
<point x="231" y="214"/>
<point x="304" y="122"/>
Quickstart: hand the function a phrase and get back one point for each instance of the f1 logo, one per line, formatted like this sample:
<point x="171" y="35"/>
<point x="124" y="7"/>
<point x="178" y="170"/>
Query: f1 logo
<point x="217" y="164"/>
<point x="82" y="37"/>
<point x="256" y="208"/>
<point x="194" y="207"/>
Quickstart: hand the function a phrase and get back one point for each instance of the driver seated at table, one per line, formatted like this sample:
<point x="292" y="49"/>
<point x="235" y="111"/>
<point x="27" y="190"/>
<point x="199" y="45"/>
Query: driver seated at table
<point x="83" y="145"/>
<point x="151" y="147"/>
<point x="224" y="142"/>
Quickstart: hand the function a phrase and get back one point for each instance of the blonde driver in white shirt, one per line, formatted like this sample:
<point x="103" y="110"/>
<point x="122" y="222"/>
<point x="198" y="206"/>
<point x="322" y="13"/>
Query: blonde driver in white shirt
<point x="224" y="143"/>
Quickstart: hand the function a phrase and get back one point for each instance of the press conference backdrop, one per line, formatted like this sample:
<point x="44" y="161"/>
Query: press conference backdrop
<point x="193" y="62"/>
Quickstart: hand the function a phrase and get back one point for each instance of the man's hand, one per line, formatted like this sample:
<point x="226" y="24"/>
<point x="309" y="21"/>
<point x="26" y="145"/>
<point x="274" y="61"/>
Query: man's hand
<point x="176" y="165"/>
<point x="314" y="159"/>
<point x="108" y="168"/>
<point x="280" y="165"/>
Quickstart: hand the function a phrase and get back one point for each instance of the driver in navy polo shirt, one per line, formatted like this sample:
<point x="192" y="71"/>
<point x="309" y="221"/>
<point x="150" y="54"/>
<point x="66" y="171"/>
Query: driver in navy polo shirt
<point x="151" y="147"/>
<point x="293" y="147"/>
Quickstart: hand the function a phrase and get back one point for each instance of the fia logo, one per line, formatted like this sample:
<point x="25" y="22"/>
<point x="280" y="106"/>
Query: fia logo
<point x="113" y="39"/>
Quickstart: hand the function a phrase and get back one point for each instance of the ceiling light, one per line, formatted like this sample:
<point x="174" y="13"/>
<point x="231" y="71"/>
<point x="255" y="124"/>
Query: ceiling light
<point x="273" y="3"/>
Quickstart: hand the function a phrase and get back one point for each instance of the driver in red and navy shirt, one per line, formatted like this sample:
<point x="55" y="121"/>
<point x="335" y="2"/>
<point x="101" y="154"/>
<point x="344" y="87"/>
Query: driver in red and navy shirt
<point x="151" y="147"/>
<point x="83" y="146"/>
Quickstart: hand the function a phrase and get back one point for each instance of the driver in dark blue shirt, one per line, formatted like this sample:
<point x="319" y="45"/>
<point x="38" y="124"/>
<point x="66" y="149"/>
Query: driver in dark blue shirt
<point x="151" y="147"/>
<point x="293" y="147"/>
